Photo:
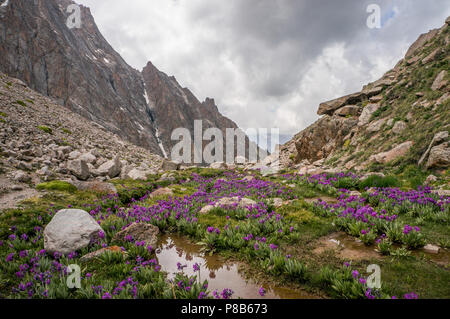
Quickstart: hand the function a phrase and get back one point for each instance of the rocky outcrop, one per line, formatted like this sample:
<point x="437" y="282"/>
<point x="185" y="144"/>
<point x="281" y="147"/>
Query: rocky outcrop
<point x="439" y="156"/>
<point x="331" y="106"/>
<point x="318" y="140"/>
<point x="394" y="153"/>
<point x="358" y="129"/>
<point x="70" y="230"/>
<point x="439" y="138"/>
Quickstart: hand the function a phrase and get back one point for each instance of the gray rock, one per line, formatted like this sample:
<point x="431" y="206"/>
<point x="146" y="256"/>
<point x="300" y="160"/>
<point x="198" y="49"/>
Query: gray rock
<point x="218" y="165"/>
<point x="437" y="138"/>
<point x="137" y="174"/>
<point x="111" y="168"/>
<point x="367" y="112"/>
<point x="347" y="110"/>
<point x="79" y="169"/>
<point x="74" y="155"/>
<point x="139" y="232"/>
<point x="88" y="158"/>
<point x="22" y="177"/>
<point x="232" y="202"/>
<point x="432" y="249"/>
<point x="439" y="156"/>
<point x="206" y="209"/>
<point x="169" y="166"/>
<point x="375" y="126"/>
<point x="439" y="82"/>
<point x="399" y="127"/>
<point x="392" y="154"/>
<point x="70" y="230"/>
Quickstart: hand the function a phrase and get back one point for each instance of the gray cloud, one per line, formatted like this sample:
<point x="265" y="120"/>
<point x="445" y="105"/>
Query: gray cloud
<point x="267" y="63"/>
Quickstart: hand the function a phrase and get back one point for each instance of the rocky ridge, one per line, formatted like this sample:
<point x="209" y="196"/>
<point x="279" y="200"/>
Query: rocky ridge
<point x="402" y="118"/>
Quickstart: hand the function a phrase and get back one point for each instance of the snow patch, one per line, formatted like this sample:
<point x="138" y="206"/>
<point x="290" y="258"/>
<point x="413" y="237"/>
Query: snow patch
<point x="4" y="4"/>
<point x="161" y="146"/>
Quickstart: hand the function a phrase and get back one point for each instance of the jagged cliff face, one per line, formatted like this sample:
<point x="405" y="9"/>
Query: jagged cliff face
<point x="79" y="69"/>
<point x="176" y="107"/>
<point x="402" y="118"/>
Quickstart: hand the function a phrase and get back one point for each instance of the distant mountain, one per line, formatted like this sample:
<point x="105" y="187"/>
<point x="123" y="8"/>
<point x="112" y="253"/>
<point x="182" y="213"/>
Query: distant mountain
<point x="80" y="70"/>
<point x="401" y="119"/>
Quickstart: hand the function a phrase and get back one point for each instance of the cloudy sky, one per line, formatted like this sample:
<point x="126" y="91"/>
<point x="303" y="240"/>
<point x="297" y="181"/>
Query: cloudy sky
<point x="267" y="63"/>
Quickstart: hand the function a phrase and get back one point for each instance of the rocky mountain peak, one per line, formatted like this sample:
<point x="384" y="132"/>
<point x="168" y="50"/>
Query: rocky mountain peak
<point x="80" y="70"/>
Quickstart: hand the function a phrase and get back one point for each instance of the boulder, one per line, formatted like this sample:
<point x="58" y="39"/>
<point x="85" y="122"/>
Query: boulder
<point x="375" y="126"/>
<point x="137" y="174"/>
<point x="439" y="82"/>
<point x="443" y="98"/>
<point x="22" y="177"/>
<point x="392" y="154"/>
<point x="206" y="209"/>
<point x="218" y="165"/>
<point x="373" y="91"/>
<point x="167" y="165"/>
<point x="431" y="249"/>
<point x="439" y="156"/>
<point x="70" y="230"/>
<point x="432" y="56"/>
<point x="162" y="192"/>
<point x="88" y="158"/>
<point x="79" y="169"/>
<point x="437" y="138"/>
<point x="139" y="232"/>
<point x="367" y="112"/>
<point x="111" y="168"/>
<point x="399" y="127"/>
<point x="73" y="155"/>
<point x="234" y="202"/>
<point x="347" y="110"/>
<point x="376" y="98"/>
<point x="330" y="106"/>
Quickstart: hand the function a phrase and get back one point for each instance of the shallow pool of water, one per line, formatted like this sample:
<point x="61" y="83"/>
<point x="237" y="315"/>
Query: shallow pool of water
<point x="173" y="249"/>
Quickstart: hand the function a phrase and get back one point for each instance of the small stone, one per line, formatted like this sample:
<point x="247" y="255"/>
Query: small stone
<point x="431" y="179"/>
<point x="22" y="177"/>
<point x="432" y="249"/>
<point x="139" y="232"/>
<point x="162" y="192"/>
<point x="206" y="209"/>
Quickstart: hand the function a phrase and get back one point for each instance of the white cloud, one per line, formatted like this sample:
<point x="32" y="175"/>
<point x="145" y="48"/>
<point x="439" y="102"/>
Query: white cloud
<point x="267" y="64"/>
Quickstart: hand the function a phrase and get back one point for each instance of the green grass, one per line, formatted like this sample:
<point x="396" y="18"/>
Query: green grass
<point x="21" y="103"/>
<point x="57" y="186"/>
<point x="379" y="181"/>
<point x="45" y="129"/>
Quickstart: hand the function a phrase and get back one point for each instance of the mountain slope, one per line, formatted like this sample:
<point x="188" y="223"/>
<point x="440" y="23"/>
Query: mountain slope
<point x="79" y="69"/>
<point x="41" y="140"/>
<point x="392" y="122"/>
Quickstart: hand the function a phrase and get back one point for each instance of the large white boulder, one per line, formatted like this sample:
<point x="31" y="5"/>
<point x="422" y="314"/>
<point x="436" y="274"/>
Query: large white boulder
<point x="70" y="230"/>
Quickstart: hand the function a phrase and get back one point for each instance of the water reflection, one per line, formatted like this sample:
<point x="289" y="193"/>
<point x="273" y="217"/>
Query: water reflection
<point x="173" y="249"/>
